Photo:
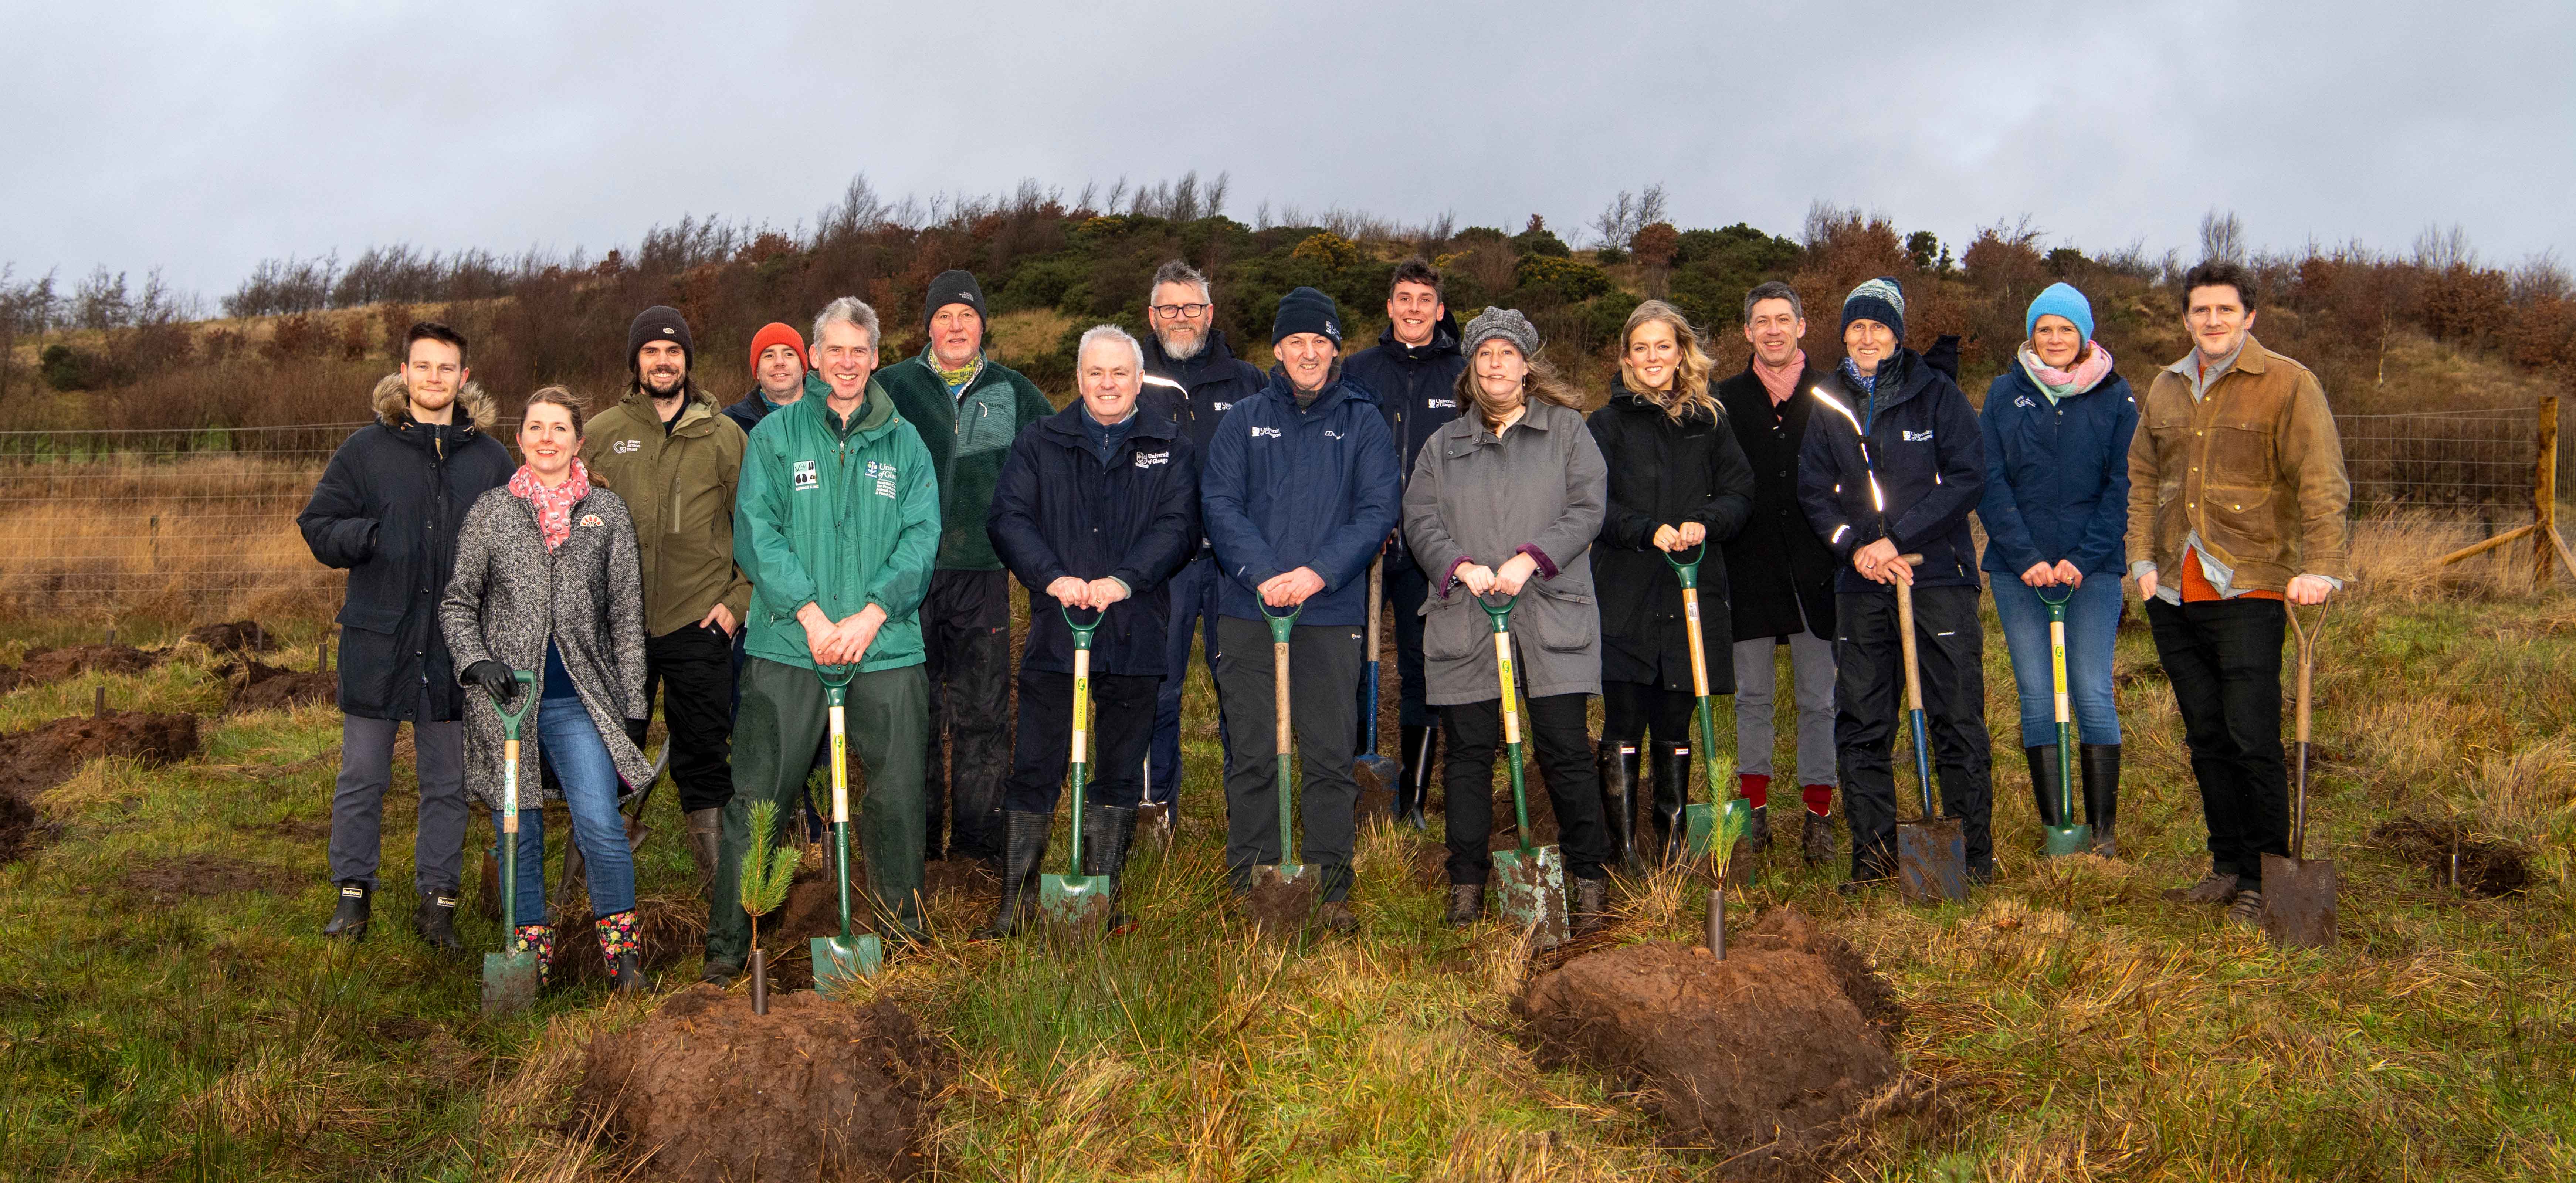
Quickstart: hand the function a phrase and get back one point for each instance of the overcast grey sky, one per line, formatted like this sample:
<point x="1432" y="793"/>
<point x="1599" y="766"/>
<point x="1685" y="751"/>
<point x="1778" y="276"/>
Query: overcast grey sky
<point x="202" y="138"/>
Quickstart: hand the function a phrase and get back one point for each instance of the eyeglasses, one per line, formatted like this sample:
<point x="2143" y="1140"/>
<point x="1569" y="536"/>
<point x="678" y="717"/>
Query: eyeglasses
<point x="1178" y="311"/>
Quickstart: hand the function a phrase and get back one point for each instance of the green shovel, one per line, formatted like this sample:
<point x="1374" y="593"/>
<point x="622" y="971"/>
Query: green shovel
<point x="1074" y="899"/>
<point x="1529" y="883"/>
<point x="511" y="977"/>
<point x="1283" y="896"/>
<point x="2066" y="837"/>
<point x="1706" y="824"/>
<point x="840" y="961"/>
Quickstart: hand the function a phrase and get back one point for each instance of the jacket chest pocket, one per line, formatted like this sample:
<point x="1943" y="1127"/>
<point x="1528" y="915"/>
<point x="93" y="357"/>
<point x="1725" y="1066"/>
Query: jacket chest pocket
<point x="987" y="422"/>
<point x="2240" y="456"/>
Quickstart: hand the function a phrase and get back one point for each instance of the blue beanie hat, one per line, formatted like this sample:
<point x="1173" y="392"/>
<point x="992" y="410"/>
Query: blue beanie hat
<point x="2061" y="299"/>
<point x="1305" y="310"/>
<point x="1881" y="300"/>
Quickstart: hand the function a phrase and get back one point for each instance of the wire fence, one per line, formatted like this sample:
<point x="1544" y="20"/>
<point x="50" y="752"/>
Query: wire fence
<point x="201" y="523"/>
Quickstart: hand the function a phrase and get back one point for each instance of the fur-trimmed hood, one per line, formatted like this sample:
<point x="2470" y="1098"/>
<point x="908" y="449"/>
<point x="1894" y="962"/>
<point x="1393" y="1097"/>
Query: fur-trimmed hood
<point x="391" y="403"/>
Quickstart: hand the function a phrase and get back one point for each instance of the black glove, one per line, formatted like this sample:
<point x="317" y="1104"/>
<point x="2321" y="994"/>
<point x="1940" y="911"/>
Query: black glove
<point x="496" y="678"/>
<point x="635" y="731"/>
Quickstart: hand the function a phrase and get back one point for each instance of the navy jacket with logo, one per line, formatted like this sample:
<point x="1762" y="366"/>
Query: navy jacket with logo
<point x="1058" y="511"/>
<point x="2057" y="477"/>
<point x="1931" y="465"/>
<point x="1416" y="388"/>
<point x="1283" y="488"/>
<point x="1198" y="392"/>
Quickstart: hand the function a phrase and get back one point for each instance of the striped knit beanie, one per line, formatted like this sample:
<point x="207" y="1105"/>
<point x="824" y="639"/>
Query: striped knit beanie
<point x="1880" y="300"/>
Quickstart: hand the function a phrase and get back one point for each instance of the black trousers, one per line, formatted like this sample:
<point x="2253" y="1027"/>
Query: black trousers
<point x="966" y="652"/>
<point x="1556" y="726"/>
<point x="1869" y="704"/>
<point x="1323" y="664"/>
<point x="691" y="670"/>
<point x="1630" y="709"/>
<point x="1122" y="725"/>
<point x="2224" y="661"/>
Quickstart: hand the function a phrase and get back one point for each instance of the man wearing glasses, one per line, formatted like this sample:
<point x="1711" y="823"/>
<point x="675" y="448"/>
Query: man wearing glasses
<point x="1191" y="374"/>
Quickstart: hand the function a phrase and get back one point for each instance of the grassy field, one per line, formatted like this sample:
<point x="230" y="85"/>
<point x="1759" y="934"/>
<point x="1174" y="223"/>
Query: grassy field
<point x="169" y="1011"/>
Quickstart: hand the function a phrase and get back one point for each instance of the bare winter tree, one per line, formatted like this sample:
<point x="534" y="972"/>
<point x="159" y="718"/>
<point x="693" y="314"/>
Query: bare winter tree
<point x="2441" y="249"/>
<point x="2222" y="237"/>
<point x="2541" y="277"/>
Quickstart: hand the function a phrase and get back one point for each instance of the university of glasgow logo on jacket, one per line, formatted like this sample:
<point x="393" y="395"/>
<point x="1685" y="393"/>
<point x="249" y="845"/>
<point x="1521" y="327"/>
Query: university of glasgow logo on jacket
<point x="1917" y="437"/>
<point x="806" y="477"/>
<point x="1150" y="459"/>
<point x="1265" y="433"/>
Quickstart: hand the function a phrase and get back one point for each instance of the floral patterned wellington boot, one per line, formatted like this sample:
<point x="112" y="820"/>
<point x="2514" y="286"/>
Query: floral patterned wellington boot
<point x="541" y="939"/>
<point x="623" y="950"/>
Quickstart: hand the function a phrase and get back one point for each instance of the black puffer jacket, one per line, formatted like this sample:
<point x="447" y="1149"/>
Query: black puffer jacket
<point x="1416" y="388"/>
<point x="1059" y="510"/>
<point x="1665" y="473"/>
<point x="1777" y="565"/>
<point x="387" y="511"/>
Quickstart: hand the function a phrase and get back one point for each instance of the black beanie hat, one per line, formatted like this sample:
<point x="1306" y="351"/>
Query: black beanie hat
<point x="1305" y="310"/>
<point x="953" y="287"/>
<point x="659" y="323"/>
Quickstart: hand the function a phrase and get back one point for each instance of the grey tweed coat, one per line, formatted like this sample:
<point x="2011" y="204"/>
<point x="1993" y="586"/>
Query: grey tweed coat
<point x="505" y="597"/>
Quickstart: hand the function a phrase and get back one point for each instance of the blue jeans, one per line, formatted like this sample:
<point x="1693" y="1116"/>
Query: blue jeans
<point x="1193" y="612"/>
<point x="573" y="748"/>
<point x="2092" y="619"/>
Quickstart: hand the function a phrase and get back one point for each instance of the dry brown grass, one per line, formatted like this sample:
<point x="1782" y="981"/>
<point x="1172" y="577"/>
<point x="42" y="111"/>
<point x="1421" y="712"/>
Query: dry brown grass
<point x="196" y="538"/>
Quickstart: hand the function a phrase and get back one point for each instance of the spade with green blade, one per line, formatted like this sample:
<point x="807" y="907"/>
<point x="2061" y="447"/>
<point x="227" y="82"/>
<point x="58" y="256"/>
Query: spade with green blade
<point x="1074" y="899"/>
<point x="1283" y="896"/>
<point x="839" y="962"/>
<point x="1529" y="883"/>
<point x="511" y="976"/>
<point x="2066" y="837"/>
<point x="1706" y="824"/>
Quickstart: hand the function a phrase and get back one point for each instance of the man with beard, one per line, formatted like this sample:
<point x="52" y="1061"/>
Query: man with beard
<point x="968" y="408"/>
<point x="676" y="459"/>
<point x="777" y="375"/>
<point x="387" y="511"/>
<point x="1414" y="371"/>
<point x="1299" y="494"/>
<point x="1196" y="379"/>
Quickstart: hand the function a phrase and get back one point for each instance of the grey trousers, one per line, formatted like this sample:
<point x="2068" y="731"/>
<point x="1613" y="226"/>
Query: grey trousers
<point x="1324" y="662"/>
<point x="1811" y="663"/>
<point x="358" y="800"/>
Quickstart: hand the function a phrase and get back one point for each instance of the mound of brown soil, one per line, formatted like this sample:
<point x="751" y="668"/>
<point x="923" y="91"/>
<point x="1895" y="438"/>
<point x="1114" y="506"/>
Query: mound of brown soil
<point x="53" y="665"/>
<point x="35" y="760"/>
<point x="259" y="686"/>
<point x="201" y="876"/>
<point x="705" y="1090"/>
<point x="22" y="829"/>
<point x="2487" y="867"/>
<point x="239" y="636"/>
<point x="1772" y="1057"/>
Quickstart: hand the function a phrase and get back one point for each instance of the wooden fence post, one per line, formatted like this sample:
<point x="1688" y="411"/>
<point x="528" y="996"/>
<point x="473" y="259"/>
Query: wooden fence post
<point x="2544" y="495"/>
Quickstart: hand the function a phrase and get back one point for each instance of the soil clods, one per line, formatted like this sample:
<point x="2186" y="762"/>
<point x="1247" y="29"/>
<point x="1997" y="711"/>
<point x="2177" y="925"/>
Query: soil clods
<point x="259" y="686"/>
<point x="239" y="636"/>
<point x="39" y="758"/>
<point x="705" y="1090"/>
<point x="41" y="666"/>
<point x="2487" y="867"/>
<point x="1775" y="1057"/>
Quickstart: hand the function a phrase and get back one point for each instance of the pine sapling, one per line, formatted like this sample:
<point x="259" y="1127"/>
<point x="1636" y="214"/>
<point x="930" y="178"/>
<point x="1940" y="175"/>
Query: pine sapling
<point x="767" y="868"/>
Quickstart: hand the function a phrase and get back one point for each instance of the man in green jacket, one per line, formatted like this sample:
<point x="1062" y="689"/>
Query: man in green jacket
<point x="968" y="408"/>
<point x="836" y="525"/>
<point x="666" y="451"/>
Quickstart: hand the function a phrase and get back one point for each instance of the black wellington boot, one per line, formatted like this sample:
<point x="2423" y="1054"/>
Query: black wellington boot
<point x="1672" y="792"/>
<point x="2044" y="786"/>
<point x="1024" y="843"/>
<point x="1619" y="804"/>
<point x="435" y="921"/>
<point x="1108" y="833"/>
<point x="350" y="919"/>
<point x="2100" y="764"/>
<point x="1413" y="790"/>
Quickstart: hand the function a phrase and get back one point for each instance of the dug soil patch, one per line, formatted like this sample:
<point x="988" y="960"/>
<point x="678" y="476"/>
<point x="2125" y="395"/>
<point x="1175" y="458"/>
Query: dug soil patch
<point x="22" y="829"/>
<point x="1776" y="1057"/>
<point x="258" y="686"/>
<point x="37" y="759"/>
<point x="705" y="1090"/>
<point x="670" y="931"/>
<point x="2487" y="867"/>
<point x="41" y="666"/>
<point x="239" y="636"/>
<point x="203" y="876"/>
<point x="1283" y="907"/>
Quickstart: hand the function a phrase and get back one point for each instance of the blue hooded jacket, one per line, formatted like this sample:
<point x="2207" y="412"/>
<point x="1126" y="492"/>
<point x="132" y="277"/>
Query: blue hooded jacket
<point x="2057" y="478"/>
<point x="1283" y="488"/>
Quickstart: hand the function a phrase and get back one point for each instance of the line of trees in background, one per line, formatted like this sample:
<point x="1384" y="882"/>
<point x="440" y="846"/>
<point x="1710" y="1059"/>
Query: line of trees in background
<point x="302" y="338"/>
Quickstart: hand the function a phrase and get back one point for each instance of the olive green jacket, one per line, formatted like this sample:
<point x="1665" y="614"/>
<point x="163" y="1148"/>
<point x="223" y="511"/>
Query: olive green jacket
<point x="680" y="489"/>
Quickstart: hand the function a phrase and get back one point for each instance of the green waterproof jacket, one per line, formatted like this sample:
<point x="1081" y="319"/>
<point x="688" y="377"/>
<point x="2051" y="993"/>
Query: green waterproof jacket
<point x="970" y="434"/>
<point x="840" y="522"/>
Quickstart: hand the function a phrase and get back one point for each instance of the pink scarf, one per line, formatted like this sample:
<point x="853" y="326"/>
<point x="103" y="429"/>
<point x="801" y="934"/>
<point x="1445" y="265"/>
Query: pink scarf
<point x="553" y="506"/>
<point x="2056" y="383"/>
<point x="1781" y="382"/>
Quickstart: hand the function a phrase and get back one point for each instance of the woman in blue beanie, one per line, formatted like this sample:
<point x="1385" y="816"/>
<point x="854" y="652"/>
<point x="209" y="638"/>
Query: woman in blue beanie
<point x="2057" y="425"/>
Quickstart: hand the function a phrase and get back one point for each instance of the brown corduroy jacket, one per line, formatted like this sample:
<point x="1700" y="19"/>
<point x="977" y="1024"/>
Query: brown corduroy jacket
<point x="2254" y="467"/>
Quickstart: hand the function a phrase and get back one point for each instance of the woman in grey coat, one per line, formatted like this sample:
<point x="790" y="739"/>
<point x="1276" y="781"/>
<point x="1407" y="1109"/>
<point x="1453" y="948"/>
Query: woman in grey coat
<point x="547" y="581"/>
<point x="1505" y="500"/>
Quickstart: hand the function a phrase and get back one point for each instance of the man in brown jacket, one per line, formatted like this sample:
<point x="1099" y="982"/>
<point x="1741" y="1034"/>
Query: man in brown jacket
<point x="2236" y="504"/>
<point x="676" y="459"/>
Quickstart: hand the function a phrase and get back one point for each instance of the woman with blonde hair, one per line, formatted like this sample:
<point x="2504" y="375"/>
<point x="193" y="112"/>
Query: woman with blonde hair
<point x="1679" y="483"/>
<point x="1505" y="500"/>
